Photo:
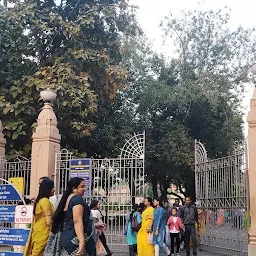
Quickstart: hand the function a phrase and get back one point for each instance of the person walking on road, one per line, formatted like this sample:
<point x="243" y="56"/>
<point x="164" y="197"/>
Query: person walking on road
<point x="175" y="226"/>
<point x="159" y="229"/>
<point x="72" y="220"/>
<point x="42" y="222"/>
<point x="168" y="211"/>
<point x="54" y="199"/>
<point x="133" y="224"/>
<point x="96" y="213"/>
<point x="189" y="217"/>
<point x="178" y="206"/>
<point x="145" y="247"/>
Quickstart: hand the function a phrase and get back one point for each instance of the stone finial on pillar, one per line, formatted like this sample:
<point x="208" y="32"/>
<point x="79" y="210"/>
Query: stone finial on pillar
<point x="2" y="141"/>
<point x="251" y="119"/>
<point x="45" y="145"/>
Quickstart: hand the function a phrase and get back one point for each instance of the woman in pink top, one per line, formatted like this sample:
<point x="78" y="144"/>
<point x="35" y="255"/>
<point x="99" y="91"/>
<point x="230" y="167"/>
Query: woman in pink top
<point x="174" y="223"/>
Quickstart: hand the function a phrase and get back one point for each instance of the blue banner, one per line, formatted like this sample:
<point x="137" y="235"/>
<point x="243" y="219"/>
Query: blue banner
<point x="7" y="213"/>
<point x="11" y="254"/>
<point x="8" y="193"/>
<point x="13" y="236"/>
<point x="82" y="168"/>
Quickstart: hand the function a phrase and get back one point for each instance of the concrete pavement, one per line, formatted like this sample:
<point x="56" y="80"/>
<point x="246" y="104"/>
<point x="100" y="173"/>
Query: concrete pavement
<point x="183" y="253"/>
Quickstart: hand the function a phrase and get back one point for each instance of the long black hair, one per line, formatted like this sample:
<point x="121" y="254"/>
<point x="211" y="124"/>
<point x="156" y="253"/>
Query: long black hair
<point x="94" y="204"/>
<point x="45" y="189"/>
<point x="159" y="200"/>
<point x="134" y="209"/>
<point x="150" y="200"/>
<point x="58" y="215"/>
<point x="44" y="178"/>
<point x="141" y="207"/>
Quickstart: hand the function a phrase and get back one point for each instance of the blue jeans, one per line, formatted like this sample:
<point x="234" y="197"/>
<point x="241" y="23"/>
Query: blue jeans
<point x="190" y="232"/>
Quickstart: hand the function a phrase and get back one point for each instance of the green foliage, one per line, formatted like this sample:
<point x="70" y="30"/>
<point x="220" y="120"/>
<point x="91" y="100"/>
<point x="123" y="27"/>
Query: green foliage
<point x="194" y="96"/>
<point x="110" y="83"/>
<point x="205" y="44"/>
<point x="73" y="48"/>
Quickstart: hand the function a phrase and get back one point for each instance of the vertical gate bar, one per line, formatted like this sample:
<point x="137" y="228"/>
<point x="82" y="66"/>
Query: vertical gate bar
<point x="110" y="187"/>
<point x="227" y="194"/>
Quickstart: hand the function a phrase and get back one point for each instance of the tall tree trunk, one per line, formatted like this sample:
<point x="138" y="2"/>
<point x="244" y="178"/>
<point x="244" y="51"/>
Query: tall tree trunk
<point x="163" y="195"/>
<point x="154" y="186"/>
<point x="164" y="189"/>
<point x="190" y="189"/>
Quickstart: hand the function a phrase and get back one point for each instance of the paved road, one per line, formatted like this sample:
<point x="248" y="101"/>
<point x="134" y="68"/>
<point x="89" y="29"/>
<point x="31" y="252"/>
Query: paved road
<point x="181" y="254"/>
<point x="126" y="254"/>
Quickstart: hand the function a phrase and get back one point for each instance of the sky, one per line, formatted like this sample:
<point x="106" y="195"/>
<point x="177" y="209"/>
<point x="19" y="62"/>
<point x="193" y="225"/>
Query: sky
<point x="151" y="12"/>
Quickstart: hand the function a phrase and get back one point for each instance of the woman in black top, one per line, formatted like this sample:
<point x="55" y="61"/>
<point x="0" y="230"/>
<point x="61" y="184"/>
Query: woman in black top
<point x="72" y="218"/>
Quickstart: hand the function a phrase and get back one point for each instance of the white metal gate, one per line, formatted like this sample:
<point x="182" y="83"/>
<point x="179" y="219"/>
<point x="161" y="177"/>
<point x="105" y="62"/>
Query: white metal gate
<point x="15" y="167"/>
<point x="221" y="191"/>
<point x="116" y="182"/>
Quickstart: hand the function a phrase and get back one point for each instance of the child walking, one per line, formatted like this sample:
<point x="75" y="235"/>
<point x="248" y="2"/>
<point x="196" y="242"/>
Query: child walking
<point x="175" y="225"/>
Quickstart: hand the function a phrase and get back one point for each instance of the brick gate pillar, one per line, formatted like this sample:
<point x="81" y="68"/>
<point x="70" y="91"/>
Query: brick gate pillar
<point x="252" y="174"/>
<point x="46" y="143"/>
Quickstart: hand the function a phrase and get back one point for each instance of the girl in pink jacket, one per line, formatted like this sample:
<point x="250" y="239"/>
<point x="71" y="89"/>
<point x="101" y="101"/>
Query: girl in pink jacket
<point x="175" y="225"/>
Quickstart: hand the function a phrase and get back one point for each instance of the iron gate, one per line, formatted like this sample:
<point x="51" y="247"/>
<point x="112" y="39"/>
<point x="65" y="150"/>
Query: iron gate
<point x="116" y="182"/>
<point x="17" y="167"/>
<point x="221" y="191"/>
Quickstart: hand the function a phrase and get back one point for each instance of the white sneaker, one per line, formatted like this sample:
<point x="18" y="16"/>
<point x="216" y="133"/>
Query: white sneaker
<point x="177" y="254"/>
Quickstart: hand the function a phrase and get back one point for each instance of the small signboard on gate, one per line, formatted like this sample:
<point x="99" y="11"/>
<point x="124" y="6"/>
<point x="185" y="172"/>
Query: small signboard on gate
<point x="7" y="213"/>
<point x="11" y="254"/>
<point x="23" y="214"/>
<point x="9" y="193"/>
<point x="11" y="214"/>
<point x="18" y="183"/>
<point x="14" y="236"/>
<point x="82" y="168"/>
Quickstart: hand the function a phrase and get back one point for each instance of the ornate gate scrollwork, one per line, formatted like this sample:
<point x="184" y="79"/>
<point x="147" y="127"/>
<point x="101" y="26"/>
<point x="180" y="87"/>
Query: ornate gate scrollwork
<point x="116" y="182"/>
<point x="17" y="166"/>
<point x="221" y="191"/>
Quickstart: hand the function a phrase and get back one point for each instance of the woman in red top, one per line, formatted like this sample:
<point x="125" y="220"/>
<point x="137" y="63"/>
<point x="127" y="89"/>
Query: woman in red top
<point x="174" y="223"/>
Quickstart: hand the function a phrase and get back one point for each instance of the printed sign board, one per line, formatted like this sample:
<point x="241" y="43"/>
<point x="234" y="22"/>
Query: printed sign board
<point x="8" y="193"/>
<point x="82" y="168"/>
<point x="23" y="214"/>
<point x="18" y="183"/>
<point x="7" y="213"/>
<point x="11" y="254"/>
<point x="14" y="236"/>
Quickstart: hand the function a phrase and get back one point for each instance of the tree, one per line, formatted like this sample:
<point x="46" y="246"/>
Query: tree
<point x="211" y="66"/>
<point x="116" y="120"/>
<point x="73" y="48"/>
<point x="194" y="96"/>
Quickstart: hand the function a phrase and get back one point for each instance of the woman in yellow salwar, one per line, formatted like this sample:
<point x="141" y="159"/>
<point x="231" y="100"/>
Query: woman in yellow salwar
<point x="41" y="227"/>
<point x="145" y="248"/>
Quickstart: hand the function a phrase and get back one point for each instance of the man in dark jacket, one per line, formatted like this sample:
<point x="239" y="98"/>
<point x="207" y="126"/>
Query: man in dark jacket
<point x="177" y="205"/>
<point x="189" y="216"/>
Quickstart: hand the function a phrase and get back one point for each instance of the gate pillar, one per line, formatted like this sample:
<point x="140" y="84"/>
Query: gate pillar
<point x="46" y="143"/>
<point x="251" y="119"/>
